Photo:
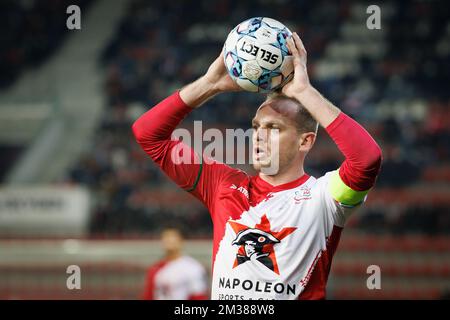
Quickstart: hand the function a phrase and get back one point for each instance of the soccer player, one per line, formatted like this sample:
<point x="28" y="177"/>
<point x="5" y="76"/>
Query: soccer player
<point x="274" y="234"/>
<point x="176" y="276"/>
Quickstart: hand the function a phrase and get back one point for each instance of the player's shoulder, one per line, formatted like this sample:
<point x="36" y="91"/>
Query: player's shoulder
<point x="236" y="176"/>
<point x="190" y="262"/>
<point x="157" y="266"/>
<point x="323" y="179"/>
<point x="226" y="169"/>
<point x="320" y="183"/>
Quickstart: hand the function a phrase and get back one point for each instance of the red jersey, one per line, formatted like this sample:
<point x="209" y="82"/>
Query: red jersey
<point x="183" y="278"/>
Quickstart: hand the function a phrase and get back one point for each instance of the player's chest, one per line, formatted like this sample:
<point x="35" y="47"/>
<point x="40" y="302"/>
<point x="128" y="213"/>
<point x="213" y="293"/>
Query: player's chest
<point x="266" y="239"/>
<point x="171" y="277"/>
<point x="286" y="206"/>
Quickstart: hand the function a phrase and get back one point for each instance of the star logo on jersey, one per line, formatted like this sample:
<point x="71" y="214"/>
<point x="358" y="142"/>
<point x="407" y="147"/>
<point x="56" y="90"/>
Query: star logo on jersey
<point x="257" y="244"/>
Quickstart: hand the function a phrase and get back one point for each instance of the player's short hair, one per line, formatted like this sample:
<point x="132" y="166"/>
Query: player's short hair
<point x="304" y="120"/>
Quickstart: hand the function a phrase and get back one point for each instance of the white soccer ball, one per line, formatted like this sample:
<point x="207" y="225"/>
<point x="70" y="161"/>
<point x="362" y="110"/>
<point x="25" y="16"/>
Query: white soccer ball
<point x="256" y="55"/>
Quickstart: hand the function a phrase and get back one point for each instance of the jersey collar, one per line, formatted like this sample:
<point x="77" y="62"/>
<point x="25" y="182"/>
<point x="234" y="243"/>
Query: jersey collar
<point x="285" y="186"/>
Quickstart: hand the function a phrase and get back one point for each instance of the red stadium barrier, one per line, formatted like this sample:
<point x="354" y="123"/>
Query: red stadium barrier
<point x="393" y="270"/>
<point x="388" y="294"/>
<point x="389" y="243"/>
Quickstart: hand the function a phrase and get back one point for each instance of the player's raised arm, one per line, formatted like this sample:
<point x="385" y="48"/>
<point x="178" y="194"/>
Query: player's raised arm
<point x="357" y="174"/>
<point x="154" y="128"/>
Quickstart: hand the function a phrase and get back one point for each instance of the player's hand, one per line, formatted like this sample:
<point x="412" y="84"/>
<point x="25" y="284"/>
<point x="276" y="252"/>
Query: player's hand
<point x="301" y="80"/>
<point x="215" y="80"/>
<point x="217" y="75"/>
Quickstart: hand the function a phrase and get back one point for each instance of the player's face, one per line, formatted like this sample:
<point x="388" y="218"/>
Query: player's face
<point x="275" y="137"/>
<point x="171" y="240"/>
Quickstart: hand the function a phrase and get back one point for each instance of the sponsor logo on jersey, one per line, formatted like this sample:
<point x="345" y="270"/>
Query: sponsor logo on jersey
<point x="257" y="286"/>
<point x="240" y="189"/>
<point x="256" y="245"/>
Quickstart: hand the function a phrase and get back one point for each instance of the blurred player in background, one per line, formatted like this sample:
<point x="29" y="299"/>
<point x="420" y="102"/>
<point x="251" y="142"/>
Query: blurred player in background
<point x="176" y="276"/>
<point x="274" y="234"/>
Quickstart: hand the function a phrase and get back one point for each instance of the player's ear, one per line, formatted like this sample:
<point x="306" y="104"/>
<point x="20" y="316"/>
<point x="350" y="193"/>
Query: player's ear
<point x="306" y="141"/>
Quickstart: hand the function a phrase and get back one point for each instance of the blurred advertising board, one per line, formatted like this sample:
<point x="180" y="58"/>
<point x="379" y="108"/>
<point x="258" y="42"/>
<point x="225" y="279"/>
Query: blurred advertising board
<point x="44" y="211"/>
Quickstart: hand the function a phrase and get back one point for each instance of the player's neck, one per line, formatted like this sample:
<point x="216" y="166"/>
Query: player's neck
<point x="283" y="177"/>
<point x="173" y="255"/>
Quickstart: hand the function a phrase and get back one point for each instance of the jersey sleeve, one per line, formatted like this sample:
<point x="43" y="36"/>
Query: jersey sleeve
<point x="196" y="174"/>
<point x="347" y="187"/>
<point x="337" y="209"/>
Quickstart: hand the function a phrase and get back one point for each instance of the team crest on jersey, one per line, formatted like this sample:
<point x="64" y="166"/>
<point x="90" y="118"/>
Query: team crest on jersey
<point x="303" y="194"/>
<point x="256" y="245"/>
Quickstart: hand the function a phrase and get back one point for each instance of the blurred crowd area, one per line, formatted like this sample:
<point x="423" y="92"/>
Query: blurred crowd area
<point x="394" y="81"/>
